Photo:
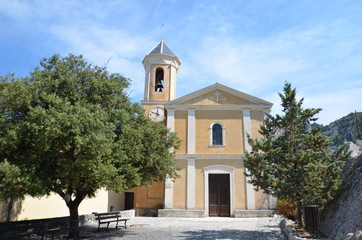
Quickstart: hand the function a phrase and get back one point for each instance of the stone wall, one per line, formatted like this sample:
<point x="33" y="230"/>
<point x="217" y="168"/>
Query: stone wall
<point x="344" y="216"/>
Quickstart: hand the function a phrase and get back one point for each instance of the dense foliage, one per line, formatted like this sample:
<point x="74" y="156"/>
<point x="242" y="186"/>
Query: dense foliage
<point x="71" y="129"/>
<point x="290" y="161"/>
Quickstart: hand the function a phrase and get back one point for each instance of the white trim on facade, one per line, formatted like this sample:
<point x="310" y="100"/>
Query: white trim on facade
<point x="171" y="119"/>
<point x="168" y="193"/>
<point x="218" y="86"/>
<point x="161" y="59"/>
<point x="191" y="131"/>
<point x="190" y="183"/>
<point x="237" y="157"/>
<point x="247" y="128"/>
<point x="169" y="182"/>
<point x="216" y="107"/>
<point x="272" y="202"/>
<point x="250" y="192"/>
<point x="154" y="103"/>
<point x="147" y="82"/>
<point x="219" y="169"/>
<point x="172" y="89"/>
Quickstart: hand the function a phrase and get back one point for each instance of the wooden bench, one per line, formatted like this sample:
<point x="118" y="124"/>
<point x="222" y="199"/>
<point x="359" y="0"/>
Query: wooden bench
<point x="107" y="218"/>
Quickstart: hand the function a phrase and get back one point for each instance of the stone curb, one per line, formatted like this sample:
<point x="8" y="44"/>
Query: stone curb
<point x="288" y="231"/>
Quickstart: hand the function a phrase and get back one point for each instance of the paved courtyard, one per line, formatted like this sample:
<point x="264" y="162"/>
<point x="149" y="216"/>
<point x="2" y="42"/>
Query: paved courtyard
<point x="190" y="228"/>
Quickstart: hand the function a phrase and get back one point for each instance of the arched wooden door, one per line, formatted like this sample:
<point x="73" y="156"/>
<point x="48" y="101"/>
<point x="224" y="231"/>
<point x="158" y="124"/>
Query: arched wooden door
<point x="219" y="195"/>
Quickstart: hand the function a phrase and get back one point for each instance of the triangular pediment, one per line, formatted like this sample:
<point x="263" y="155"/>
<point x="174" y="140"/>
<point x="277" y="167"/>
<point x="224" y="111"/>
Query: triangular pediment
<point x="218" y="94"/>
<point x="217" y="97"/>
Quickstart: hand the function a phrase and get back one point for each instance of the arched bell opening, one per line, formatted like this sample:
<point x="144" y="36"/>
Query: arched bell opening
<point x="159" y="80"/>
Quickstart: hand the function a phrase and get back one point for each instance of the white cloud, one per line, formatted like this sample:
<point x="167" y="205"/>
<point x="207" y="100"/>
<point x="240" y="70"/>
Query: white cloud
<point x="251" y="65"/>
<point x="334" y="104"/>
<point x="322" y="62"/>
<point x="224" y="42"/>
<point x="121" y="52"/>
<point x="89" y="29"/>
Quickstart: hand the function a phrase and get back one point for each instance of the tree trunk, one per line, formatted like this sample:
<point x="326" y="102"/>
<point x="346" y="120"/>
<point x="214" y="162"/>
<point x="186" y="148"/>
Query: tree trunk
<point x="9" y="210"/>
<point x="299" y="215"/>
<point x="73" y="220"/>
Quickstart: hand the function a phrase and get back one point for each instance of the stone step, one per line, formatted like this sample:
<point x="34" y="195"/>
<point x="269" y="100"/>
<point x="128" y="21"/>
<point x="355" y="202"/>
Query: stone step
<point x="200" y="213"/>
<point x="253" y="213"/>
<point x="181" y="213"/>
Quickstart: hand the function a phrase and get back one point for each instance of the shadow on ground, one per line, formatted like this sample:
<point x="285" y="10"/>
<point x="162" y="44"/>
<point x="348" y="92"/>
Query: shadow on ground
<point x="228" y="234"/>
<point x="92" y="233"/>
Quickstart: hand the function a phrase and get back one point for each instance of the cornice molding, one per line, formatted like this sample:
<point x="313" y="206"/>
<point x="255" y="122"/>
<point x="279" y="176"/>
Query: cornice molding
<point x="218" y="86"/>
<point x="209" y="156"/>
<point x="148" y="102"/>
<point x="218" y="107"/>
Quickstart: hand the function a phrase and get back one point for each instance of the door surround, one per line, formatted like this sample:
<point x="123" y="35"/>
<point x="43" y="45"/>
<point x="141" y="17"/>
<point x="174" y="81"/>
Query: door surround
<point x="218" y="169"/>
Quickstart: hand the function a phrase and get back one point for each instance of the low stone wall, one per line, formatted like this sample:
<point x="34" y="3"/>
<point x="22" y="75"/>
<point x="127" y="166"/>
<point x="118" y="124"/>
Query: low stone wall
<point x="146" y="212"/>
<point x="9" y="229"/>
<point x="181" y="213"/>
<point x="253" y="213"/>
<point x="128" y="213"/>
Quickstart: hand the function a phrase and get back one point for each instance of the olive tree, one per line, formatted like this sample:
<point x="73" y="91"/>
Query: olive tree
<point x="71" y="129"/>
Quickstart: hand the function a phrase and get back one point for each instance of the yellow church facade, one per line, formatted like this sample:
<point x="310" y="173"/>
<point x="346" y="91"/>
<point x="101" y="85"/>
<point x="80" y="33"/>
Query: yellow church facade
<point x="213" y="124"/>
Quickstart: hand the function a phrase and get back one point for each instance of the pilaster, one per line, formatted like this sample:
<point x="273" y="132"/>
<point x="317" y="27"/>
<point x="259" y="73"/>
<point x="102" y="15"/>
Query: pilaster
<point x="250" y="192"/>
<point x="173" y="72"/>
<point x="272" y="202"/>
<point x="169" y="182"/>
<point x="171" y="119"/>
<point x="147" y="81"/>
<point x="191" y="131"/>
<point x="190" y="183"/>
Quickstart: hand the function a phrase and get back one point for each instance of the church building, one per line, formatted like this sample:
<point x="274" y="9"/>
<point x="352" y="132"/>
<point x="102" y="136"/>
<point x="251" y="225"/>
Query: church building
<point x="213" y="124"/>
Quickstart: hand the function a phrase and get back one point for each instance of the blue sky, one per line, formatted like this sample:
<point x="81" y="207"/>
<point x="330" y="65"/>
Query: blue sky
<point x="252" y="46"/>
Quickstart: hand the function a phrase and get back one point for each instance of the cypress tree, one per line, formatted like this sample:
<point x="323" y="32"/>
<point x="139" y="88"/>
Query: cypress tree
<point x="291" y="162"/>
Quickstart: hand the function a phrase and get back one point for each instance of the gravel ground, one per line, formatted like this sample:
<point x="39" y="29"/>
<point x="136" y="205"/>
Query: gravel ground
<point x="189" y="228"/>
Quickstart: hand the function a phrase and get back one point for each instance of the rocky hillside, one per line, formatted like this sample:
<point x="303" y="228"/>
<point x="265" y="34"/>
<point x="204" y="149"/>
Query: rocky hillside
<point x="348" y="128"/>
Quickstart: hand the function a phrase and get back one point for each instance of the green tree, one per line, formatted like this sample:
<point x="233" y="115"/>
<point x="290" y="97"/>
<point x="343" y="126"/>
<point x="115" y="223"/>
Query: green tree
<point x="71" y="129"/>
<point x="290" y="161"/>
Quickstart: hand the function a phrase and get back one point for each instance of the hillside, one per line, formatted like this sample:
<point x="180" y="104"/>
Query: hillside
<point x="348" y="128"/>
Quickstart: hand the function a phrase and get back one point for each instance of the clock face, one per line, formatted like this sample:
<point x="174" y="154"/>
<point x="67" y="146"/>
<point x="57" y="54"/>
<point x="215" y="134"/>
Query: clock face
<point x="157" y="114"/>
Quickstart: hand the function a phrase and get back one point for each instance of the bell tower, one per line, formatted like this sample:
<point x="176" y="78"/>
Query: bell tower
<point x="161" y="66"/>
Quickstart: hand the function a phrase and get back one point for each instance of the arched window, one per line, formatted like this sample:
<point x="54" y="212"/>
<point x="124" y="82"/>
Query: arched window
<point x="217" y="134"/>
<point x="159" y="80"/>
